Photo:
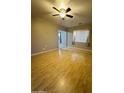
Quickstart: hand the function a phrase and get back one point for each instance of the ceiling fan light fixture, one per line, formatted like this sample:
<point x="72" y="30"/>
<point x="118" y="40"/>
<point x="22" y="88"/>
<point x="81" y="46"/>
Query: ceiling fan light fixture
<point x="63" y="12"/>
<point x="62" y="15"/>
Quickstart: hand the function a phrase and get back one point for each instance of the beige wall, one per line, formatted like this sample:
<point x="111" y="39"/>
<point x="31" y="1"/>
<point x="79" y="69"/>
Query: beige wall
<point x="83" y="27"/>
<point x="44" y="35"/>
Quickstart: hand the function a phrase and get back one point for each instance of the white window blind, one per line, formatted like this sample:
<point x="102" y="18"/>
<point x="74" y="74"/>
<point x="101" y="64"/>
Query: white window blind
<point x="81" y="36"/>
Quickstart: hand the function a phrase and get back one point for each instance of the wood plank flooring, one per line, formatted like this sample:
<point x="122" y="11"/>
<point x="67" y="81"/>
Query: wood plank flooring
<point x="62" y="71"/>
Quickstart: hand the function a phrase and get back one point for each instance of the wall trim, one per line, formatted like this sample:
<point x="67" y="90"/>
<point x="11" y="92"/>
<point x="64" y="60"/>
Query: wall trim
<point x="43" y="52"/>
<point x="90" y="50"/>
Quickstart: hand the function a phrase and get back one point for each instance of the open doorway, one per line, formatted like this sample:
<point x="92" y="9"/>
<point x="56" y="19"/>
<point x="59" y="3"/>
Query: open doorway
<point x="61" y="39"/>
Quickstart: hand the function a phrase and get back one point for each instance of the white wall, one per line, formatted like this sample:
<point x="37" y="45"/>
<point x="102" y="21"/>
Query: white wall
<point x="69" y="39"/>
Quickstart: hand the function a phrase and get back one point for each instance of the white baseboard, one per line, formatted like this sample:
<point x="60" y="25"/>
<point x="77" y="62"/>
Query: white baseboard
<point x="81" y="49"/>
<point x="43" y="52"/>
<point x="84" y="49"/>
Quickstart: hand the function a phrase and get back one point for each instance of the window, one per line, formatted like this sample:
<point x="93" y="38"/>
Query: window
<point x="81" y="36"/>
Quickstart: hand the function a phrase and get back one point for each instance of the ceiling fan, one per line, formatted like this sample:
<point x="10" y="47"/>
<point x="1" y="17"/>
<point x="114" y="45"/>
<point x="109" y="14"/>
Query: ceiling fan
<point x="63" y="12"/>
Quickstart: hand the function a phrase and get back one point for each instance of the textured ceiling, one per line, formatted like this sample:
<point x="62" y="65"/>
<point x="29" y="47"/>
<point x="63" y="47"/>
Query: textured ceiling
<point x="81" y="11"/>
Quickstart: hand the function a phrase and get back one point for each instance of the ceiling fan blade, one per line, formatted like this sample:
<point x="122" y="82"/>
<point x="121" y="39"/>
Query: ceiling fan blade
<point x="69" y="16"/>
<point x="56" y="9"/>
<point x="67" y="10"/>
<point x="56" y="15"/>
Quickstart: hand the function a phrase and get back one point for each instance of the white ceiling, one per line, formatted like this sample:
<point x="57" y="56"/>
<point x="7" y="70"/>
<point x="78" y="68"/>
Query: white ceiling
<point x="81" y="11"/>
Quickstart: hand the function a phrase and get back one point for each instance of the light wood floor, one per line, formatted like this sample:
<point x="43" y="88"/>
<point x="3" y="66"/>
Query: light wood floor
<point x="62" y="71"/>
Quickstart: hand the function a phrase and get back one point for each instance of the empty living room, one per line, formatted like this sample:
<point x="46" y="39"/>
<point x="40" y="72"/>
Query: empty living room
<point x="61" y="46"/>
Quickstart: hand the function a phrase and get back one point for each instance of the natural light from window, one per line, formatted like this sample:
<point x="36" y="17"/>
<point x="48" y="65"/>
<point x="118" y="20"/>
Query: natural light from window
<point x="81" y="36"/>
